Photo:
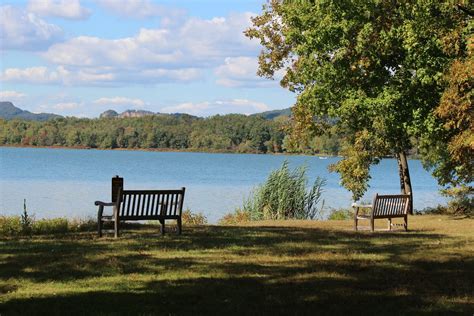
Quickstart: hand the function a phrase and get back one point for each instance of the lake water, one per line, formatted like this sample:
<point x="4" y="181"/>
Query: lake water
<point x="66" y="182"/>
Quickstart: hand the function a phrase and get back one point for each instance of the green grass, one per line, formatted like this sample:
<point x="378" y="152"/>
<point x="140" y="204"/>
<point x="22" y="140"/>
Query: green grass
<point x="285" y="267"/>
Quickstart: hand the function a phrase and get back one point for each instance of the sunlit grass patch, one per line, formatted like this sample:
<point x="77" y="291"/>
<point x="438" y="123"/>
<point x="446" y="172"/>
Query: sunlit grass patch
<point x="260" y="267"/>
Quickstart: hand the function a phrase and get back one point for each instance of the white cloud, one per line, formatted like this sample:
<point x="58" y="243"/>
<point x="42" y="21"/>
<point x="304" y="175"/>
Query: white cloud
<point x="29" y="75"/>
<point x="138" y="8"/>
<point x="167" y="54"/>
<point x="95" y="76"/>
<point x="242" y="72"/>
<point x="120" y="101"/>
<point x="67" y="106"/>
<point x="241" y="106"/>
<point x="22" y="30"/>
<point x="238" y="71"/>
<point x="9" y="95"/>
<point x="195" y="43"/>
<point x="67" y="9"/>
<point x="39" y="75"/>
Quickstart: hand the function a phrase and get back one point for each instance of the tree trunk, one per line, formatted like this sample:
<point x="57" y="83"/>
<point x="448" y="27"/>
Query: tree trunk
<point x="405" y="182"/>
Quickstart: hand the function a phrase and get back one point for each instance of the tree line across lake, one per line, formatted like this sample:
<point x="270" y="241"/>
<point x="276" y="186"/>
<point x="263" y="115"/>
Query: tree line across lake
<point x="220" y="133"/>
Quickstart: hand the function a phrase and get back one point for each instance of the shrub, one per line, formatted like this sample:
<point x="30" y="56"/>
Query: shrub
<point x="340" y="214"/>
<point x="284" y="196"/>
<point x="26" y="221"/>
<point x="50" y="226"/>
<point x="16" y="225"/>
<point x="10" y="225"/>
<point x="190" y="218"/>
<point x="238" y="217"/>
<point x="82" y="225"/>
<point x="462" y="200"/>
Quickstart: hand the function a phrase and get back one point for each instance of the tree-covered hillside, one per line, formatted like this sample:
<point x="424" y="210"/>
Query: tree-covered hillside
<point x="236" y="133"/>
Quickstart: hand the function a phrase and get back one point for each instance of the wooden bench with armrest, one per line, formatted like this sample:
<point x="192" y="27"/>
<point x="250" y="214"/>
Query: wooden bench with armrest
<point x="135" y="205"/>
<point x="384" y="206"/>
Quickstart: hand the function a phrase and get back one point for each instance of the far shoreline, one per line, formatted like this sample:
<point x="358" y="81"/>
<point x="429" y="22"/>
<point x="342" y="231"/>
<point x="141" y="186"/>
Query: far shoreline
<point x="171" y="150"/>
<point x="187" y="150"/>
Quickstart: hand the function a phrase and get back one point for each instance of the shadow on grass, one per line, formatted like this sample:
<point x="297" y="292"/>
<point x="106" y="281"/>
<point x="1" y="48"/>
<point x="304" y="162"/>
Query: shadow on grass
<point x="245" y="270"/>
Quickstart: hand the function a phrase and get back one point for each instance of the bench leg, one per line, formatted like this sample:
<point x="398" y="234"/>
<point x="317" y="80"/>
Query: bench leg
<point x="389" y="224"/>
<point x="116" y="228"/>
<point x="99" y="226"/>
<point x="162" y="222"/>
<point x="99" y="220"/>
<point x="179" y="228"/>
<point x="372" y="226"/>
<point x="406" y="223"/>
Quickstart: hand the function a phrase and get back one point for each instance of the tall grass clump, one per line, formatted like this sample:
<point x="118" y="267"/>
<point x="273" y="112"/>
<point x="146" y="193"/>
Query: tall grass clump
<point x="284" y="195"/>
<point x="26" y="221"/>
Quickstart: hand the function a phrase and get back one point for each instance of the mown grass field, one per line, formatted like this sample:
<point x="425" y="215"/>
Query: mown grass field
<point x="291" y="267"/>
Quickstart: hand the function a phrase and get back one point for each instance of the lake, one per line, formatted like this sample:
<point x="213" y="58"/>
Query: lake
<point x="66" y="182"/>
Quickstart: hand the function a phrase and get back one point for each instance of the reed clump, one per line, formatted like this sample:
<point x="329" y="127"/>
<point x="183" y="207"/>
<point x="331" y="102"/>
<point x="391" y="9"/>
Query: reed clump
<point x="284" y="195"/>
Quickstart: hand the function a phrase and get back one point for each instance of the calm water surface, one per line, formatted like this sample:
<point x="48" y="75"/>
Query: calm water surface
<point x="66" y="182"/>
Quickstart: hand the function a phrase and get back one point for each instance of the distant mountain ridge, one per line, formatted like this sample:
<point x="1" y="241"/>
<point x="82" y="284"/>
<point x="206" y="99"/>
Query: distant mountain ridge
<point x="127" y="113"/>
<point x="8" y="111"/>
<point x="270" y="115"/>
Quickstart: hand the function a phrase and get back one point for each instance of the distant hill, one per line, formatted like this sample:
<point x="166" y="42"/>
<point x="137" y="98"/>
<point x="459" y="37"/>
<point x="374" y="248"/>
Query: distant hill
<point x="127" y="113"/>
<point x="109" y="113"/>
<point x="270" y="115"/>
<point x="8" y="111"/>
<point x="138" y="113"/>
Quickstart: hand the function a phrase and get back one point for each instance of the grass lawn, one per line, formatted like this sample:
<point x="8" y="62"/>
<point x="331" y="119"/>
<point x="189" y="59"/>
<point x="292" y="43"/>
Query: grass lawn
<point x="292" y="267"/>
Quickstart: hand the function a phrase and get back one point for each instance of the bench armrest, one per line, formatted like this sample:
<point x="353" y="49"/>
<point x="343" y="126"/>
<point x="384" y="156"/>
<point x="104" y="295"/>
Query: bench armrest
<point x="361" y="205"/>
<point x="101" y="207"/>
<point x="358" y="207"/>
<point x="104" y="203"/>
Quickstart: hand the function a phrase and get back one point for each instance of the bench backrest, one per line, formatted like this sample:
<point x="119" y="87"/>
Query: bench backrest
<point x="390" y="205"/>
<point x="149" y="204"/>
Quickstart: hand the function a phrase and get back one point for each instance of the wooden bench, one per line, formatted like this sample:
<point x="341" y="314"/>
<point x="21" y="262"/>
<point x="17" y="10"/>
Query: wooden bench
<point x="135" y="205"/>
<point x="384" y="206"/>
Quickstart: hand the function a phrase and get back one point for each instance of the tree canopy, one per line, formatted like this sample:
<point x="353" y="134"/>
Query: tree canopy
<point x="375" y="68"/>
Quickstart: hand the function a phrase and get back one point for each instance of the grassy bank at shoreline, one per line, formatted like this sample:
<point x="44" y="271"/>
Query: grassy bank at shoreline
<point x="173" y="150"/>
<point x="295" y="267"/>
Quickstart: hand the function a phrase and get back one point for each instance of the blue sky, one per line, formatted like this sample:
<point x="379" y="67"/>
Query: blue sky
<point x="81" y="58"/>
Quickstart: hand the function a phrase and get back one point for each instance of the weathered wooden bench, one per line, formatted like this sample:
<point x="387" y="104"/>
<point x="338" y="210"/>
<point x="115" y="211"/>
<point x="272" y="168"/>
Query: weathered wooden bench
<point x="135" y="205"/>
<point x="384" y="206"/>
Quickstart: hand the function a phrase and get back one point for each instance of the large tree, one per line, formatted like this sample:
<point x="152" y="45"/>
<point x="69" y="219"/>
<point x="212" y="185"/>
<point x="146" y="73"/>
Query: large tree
<point x="374" y="68"/>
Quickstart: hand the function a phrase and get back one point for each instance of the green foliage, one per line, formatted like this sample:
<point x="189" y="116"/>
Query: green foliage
<point x="238" y="217"/>
<point x="10" y="225"/>
<point x="374" y="68"/>
<point x="191" y="218"/>
<point x="340" y="214"/>
<point x="223" y="133"/>
<point x="462" y="200"/>
<point x="284" y="196"/>
<point x="50" y="226"/>
<point x="26" y="221"/>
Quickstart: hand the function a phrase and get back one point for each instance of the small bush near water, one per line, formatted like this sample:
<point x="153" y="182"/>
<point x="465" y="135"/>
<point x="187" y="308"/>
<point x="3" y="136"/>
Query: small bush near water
<point x="282" y="196"/>
<point x="13" y="226"/>
<point x="27" y="225"/>
<point x="191" y="218"/>
<point x="340" y="214"/>
<point x="461" y="203"/>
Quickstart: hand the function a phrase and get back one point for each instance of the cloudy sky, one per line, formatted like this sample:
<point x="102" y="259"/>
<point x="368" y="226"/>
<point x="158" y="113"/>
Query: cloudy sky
<point x="81" y="58"/>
